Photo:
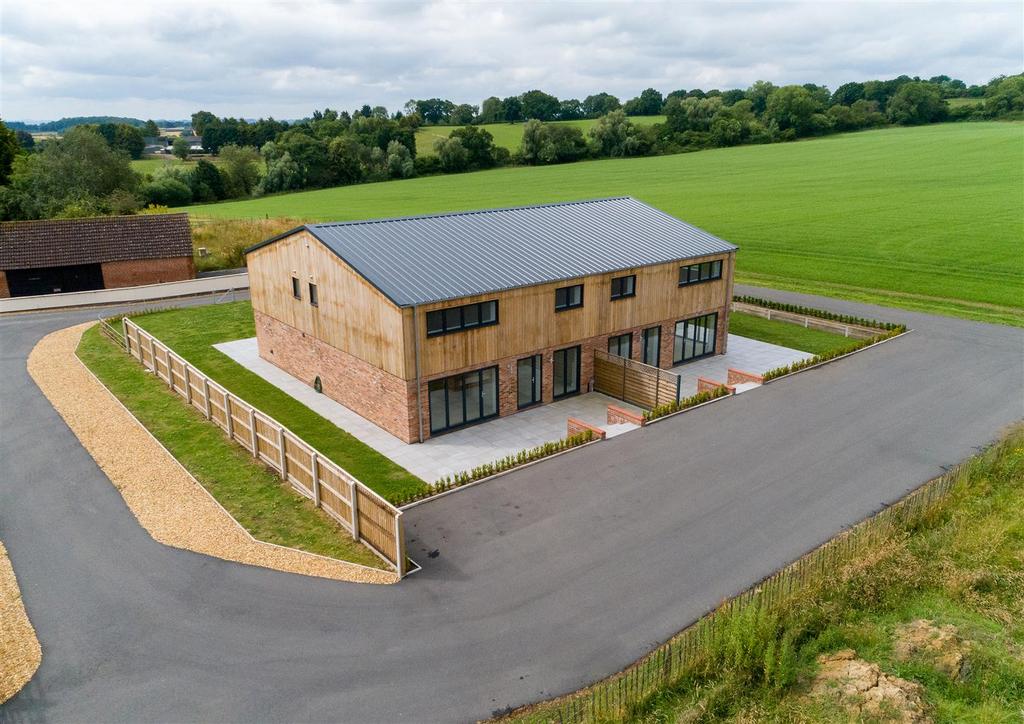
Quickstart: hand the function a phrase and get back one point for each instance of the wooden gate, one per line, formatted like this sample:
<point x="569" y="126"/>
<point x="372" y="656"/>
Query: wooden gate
<point x="633" y="381"/>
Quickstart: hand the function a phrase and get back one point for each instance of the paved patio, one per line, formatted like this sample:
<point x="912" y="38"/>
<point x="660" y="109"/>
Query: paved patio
<point x="454" y="451"/>
<point x="748" y="355"/>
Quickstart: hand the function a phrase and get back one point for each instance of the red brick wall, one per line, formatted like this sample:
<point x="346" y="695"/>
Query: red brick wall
<point x="706" y="385"/>
<point x="618" y="416"/>
<point x="382" y="398"/>
<point x="4" y="291"/>
<point x="135" y="272"/>
<point x="737" y="377"/>
<point x="574" y="427"/>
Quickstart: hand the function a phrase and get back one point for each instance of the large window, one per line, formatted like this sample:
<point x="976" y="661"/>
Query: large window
<point x="529" y="375"/>
<point x="652" y="346"/>
<point x="623" y="286"/>
<point x="566" y="373"/>
<point x="457" y="319"/>
<point x="706" y="271"/>
<point x="463" y="399"/>
<point x="622" y="345"/>
<point x="568" y="297"/>
<point x="695" y="338"/>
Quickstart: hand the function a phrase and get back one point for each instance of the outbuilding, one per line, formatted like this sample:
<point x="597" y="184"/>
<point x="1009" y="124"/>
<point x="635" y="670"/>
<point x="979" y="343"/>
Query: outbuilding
<point x="74" y="255"/>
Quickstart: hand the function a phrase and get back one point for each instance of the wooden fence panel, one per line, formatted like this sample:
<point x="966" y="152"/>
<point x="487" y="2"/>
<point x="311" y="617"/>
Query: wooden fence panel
<point x="854" y="331"/>
<point x="378" y="523"/>
<point x="633" y="381"/>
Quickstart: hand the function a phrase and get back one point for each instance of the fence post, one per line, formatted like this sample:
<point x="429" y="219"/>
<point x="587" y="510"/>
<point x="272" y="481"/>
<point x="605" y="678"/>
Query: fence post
<point x="252" y="430"/>
<point x="314" y="469"/>
<point x="124" y="331"/>
<point x="170" y="372"/>
<point x="152" y="355"/>
<point x="206" y="397"/>
<point x="354" y="504"/>
<point x="284" y="458"/>
<point x="188" y="385"/>
<point x="623" y="395"/>
<point x="399" y="546"/>
<point x="229" y="421"/>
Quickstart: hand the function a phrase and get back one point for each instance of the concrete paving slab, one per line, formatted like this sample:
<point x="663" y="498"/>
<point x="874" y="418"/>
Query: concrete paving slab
<point x="749" y="355"/>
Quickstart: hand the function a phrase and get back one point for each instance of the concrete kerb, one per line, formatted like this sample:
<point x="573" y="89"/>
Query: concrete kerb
<point x="230" y="517"/>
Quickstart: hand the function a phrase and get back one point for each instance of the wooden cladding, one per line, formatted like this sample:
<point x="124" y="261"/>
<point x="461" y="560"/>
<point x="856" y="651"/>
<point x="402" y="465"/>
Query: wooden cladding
<point x="370" y="519"/>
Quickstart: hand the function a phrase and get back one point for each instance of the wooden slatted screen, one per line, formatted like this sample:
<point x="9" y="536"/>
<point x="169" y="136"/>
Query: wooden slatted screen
<point x="633" y="381"/>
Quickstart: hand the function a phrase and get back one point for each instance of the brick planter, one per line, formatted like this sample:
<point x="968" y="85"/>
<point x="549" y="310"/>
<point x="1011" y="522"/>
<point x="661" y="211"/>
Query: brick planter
<point x="739" y="377"/>
<point x="618" y="416"/>
<point x="707" y="385"/>
<point x="575" y="427"/>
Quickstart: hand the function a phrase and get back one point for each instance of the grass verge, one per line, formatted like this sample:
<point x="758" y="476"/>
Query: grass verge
<point x="785" y="334"/>
<point x="250" y="492"/>
<point x="192" y="332"/>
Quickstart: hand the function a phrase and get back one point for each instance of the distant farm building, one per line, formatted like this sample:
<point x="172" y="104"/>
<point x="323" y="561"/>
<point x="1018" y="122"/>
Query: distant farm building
<point x="74" y="255"/>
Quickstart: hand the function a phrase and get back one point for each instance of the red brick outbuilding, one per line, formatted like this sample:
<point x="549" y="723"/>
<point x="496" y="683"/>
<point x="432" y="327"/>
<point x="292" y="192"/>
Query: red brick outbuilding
<point x="73" y="255"/>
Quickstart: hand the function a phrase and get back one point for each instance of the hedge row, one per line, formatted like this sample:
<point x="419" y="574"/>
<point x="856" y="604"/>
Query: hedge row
<point x="819" y="313"/>
<point x="700" y="397"/>
<point x="499" y="466"/>
<point x="891" y="331"/>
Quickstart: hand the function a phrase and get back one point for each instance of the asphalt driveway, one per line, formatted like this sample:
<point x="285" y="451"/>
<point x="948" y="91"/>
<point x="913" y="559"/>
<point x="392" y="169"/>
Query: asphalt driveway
<point x="545" y="579"/>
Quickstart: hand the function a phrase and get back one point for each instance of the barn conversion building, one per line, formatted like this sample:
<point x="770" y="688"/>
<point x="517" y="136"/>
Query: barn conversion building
<point x="74" y="255"/>
<point x="427" y="324"/>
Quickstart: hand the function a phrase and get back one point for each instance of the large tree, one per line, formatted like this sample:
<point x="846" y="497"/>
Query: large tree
<point x="600" y="104"/>
<point x="793" y="107"/>
<point x="540" y="105"/>
<point x="915" y="103"/>
<point x="648" y="103"/>
<point x="615" y="135"/>
<point x="240" y="167"/>
<point x="9" y="148"/>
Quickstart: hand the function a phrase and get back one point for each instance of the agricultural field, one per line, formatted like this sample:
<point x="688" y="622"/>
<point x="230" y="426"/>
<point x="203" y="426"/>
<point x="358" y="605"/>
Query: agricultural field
<point x="151" y="164"/>
<point x="508" y="135"/>
<point x="960" y="102"/>
<point x="923" y="218"/>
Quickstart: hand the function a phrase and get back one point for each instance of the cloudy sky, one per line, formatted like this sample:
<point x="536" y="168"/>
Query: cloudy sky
<point x="251" y="58"/>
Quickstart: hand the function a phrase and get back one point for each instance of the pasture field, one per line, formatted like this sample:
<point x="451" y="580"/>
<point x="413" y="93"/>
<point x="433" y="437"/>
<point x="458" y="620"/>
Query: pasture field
<point x="923" y="218"/>
<point x="151" y="164"/>
<point x="509" y="135"/>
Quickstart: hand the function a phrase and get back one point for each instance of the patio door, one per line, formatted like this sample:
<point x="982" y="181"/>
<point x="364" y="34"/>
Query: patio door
<point x="565" y="376"/>
<point x="529" y="377"/>
<point x="695" y="338"/>
<point x="652" y="346"/>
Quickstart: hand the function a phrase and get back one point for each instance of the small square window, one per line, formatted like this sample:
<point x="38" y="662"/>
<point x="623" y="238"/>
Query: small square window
<point x="623" y="286"/>
<point x="296" y="288"/>
<point x="569" y="297"/>
<point x="314" y="300"/>
<point x="435" y="323"/>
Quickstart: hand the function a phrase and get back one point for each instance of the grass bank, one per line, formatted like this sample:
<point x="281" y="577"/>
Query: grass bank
<point x="249" y="491"/>
<point x="922" y="218"/>
<point x="785" y="334"/>
<point x="959" y="567"/>
<point x="192" y="332"/>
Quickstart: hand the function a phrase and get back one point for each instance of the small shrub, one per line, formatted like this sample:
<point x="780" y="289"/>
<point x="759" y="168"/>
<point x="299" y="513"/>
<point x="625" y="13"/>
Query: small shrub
<point x="693" y="400"/>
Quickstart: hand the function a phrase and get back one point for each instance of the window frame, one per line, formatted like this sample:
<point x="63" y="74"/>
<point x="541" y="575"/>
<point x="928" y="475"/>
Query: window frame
<point x="579" y="356"/>
<point x="460" y="314"/>
<point x="714" y="269"/>
<point x="567" y="306"/>
<point x="446" y="406"/>
<point x="536" y="381"/>
<point x="645" y="339"/>
<point x="686" y="323"/>
<point x="296" y="288"/>
<point x="314" y="295"/>
<point x="618" y="343"/>
<point x="621" y="295"/>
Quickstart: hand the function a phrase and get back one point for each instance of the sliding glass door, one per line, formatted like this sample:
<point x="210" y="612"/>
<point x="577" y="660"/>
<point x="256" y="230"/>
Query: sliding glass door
<point x="463" y="399"/>
<point x="695" y="338"/>
<point x="528" y="380"/>
<point x="652" y="346"/>
<point x="566" y="372"/>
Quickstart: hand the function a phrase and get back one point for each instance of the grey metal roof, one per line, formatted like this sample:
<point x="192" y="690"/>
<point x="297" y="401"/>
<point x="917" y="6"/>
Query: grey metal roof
<point x="421" y="259"/>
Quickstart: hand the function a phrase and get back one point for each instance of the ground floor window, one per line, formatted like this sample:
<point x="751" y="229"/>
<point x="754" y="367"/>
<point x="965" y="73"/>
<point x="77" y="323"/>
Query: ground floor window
<point x="695" y="338"/>
<point x="463" y="399"/>
<point x="621" y="345"/>
<point x="652" y="346"/>
<point x="528" y="380"/>
<point x="566" y="373"/>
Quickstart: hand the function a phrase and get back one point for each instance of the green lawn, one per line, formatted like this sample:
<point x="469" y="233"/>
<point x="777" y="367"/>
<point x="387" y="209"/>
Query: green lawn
<point x="509" y="135"/>
<point x="192" y="332"/>
<point x="785" y="334"/>
<point x="255" y="496"/>
<point x="923" y="218"/>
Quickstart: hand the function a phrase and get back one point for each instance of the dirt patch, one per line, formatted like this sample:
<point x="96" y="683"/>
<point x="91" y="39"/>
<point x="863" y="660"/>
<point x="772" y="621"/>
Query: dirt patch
<point x="939" y="645"/>
<point x="19" y="648"/>
<point x="167" y="501"/>
<point x="866" y="691"/>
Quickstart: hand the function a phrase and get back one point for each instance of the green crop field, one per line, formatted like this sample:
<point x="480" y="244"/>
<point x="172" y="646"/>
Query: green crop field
<point x="509" y="134"/>
<point x="151" y="164"/>
<point x="923" y="218"/>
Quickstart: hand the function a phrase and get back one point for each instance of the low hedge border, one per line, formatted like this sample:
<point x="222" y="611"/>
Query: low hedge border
<point x="894" y="331"/>
<point x="503" y="465"/>
<point x="687" y="402"/>
<point x="819" y="313"/>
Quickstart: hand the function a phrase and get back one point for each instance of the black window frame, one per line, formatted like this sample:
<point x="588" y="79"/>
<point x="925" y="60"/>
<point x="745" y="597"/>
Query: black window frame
<point x="712" y="267"/>
<point x="620" y="294"/>
<point x="618" y="343"/>
<point x="554" y="357"/>
<point x="536" y="374"/>
<point x="457" y="316"/>
<point x="714" y="338"/>
<point x="296" y="288"/>
<point x="314" y="295"/>
<point x="480" y="400"/>
<point x="567" y="306"/>
<point x="643" y="346"/>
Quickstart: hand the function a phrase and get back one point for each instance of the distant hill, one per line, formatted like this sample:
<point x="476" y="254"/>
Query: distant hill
<point x="65" y="123"/>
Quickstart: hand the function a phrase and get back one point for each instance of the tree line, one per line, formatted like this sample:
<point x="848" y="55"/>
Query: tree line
<point x="88" y="171"/>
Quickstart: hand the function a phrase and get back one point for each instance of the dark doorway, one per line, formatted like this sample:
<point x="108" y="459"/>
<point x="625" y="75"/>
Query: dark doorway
<point x="54" y="279"/>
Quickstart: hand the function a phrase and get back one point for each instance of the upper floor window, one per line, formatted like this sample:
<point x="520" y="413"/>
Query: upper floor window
<point x="314" y="299"/>
<point x="296" y="288"/>
<point x="569" y="297"/>
<point x="623" y="286"/>
<point x="706" y="271"/>
<point x="456" y="319"/>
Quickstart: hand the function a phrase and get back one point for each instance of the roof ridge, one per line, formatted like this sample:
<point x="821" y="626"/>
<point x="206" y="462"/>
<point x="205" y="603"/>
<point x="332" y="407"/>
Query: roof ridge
<point x="78" y="219"/>
<point x="474" y="212"/>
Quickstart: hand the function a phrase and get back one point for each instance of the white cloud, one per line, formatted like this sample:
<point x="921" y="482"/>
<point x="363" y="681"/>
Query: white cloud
<point x="150" y="59"/>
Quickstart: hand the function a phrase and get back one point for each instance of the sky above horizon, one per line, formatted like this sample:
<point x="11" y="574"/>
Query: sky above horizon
<point x="284" y="59"/>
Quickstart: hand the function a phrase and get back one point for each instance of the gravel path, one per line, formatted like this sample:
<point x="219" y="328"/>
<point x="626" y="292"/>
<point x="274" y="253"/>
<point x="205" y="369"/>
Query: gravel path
<point x="19" y="648"/>
<point x="165" y="498"/>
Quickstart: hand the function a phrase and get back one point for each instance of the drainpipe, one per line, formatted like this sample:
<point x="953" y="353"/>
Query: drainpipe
<point x="419" y="382"/>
